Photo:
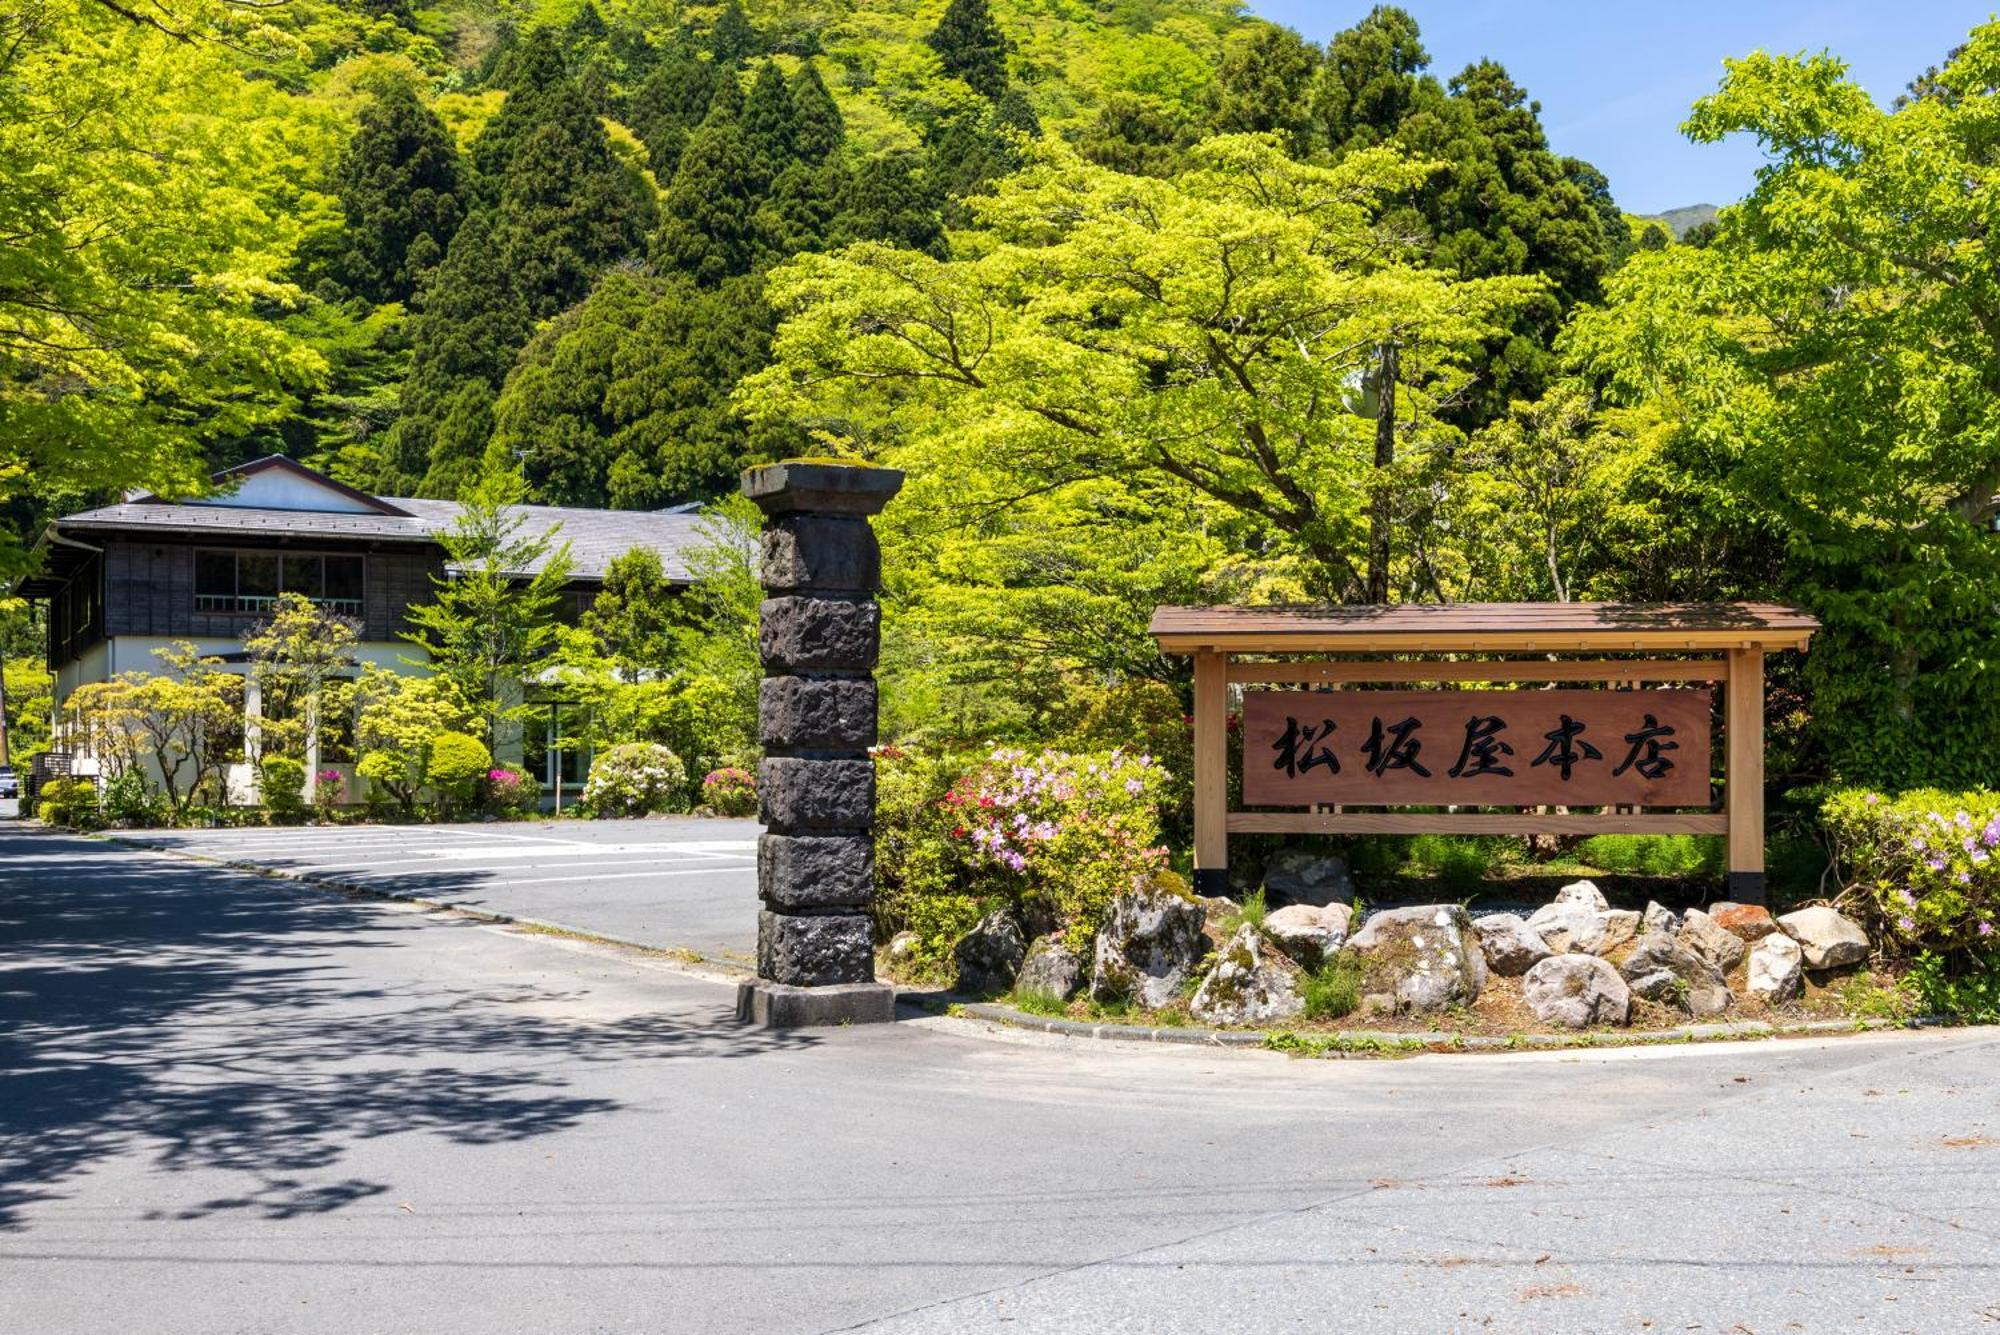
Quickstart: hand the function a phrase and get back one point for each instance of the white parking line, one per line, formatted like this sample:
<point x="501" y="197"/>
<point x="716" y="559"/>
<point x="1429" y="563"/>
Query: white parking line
<point x="469" y="869"/>
<point x="430" y="856"/>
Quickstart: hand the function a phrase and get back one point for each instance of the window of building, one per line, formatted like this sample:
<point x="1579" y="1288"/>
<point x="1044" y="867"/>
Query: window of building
<point x="248" y="583"/>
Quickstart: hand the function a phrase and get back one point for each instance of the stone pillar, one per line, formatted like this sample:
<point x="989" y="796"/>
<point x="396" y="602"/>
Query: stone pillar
<point x="819" y="632"/>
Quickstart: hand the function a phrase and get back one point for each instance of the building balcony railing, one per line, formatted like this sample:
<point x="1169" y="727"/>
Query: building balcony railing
<point x="243" y="604"/>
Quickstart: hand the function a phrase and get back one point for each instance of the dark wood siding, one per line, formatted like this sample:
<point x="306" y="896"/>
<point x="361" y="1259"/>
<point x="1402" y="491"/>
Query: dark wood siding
<point x="149" y="588"/>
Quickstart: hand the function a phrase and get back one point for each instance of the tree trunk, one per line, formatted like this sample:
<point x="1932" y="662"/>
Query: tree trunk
<point x="1385" y="459"/>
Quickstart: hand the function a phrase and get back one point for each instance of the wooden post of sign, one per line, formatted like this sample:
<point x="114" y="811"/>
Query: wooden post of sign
<point x="1211" y="773"/>
<point x="1744" y="733"/>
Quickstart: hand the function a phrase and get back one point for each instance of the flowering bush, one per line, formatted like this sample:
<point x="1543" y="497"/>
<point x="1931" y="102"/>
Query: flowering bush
<point x="1925" y="865"/>
<point x="329" y="791"/>
<point x="730" y="792"/>
<point x="510" y="792"/>
<point x="1066" y="833"/>
<point x="636" y="779"/>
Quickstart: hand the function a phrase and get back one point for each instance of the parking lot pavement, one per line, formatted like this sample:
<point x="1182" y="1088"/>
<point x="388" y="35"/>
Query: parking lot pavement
<point x="227" y="1106"/>
<point x="686" y="884"/>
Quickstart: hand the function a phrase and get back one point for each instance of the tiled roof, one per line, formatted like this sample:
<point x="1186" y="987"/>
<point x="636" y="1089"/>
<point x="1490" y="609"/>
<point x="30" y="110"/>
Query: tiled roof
<point x="596" y="537"/>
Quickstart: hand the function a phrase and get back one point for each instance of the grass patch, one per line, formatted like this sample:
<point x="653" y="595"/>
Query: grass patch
<point x="1460" y="863"/>
<point x="1252" y="912"/>
<point x="1037" y="1002"/>
<point x="1678" y="855"/>
<point x="1333" y="989"/>
<point x="1116" y="1008"/>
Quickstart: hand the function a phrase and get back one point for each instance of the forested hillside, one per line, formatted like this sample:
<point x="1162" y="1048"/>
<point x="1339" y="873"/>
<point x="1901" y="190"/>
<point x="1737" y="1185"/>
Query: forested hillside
<point x="540" y="234"/>
<point x="1156" y="302"/>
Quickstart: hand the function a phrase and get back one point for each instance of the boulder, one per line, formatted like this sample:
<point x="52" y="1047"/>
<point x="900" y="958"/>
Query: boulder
<point x="1427" y="957"/>
<point x="1309" y="934"/>
<point x="1777" y="969"/>
<point x="1249" y="984"/>
<point x="1149" y="947"/>
<point x="1583" y="895"/>
<point x="903" y="947"/>
<point x="1511" y="946"/>
<point x="1302" y="876"/>
<point x="1659" y="918"/>
<point x="1748" y="923"/>
<point x="1051" y="969"/>
<point x="1828" y="939"/>
<point x="1576" y="992"/>
<point x="1706" y="938"/>
<point x="990" y="955"/>
<point x="1575" y="928"/>
<point x="1662" y="969"/>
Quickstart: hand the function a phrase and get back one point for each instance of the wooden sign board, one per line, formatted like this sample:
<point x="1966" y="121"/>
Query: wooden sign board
<point x="1476" y="748"/>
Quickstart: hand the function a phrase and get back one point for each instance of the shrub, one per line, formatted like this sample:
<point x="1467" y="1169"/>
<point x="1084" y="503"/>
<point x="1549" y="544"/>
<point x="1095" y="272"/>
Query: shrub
<point x="511" y="792"/>
<point x="1053" y="834"/>
<point x="730" y="792"/>
<point x="329" y="791"/>
<point x="456" y="764"/>
<point x="924" y="878"/>
<point x="1925" y="867"/>
<point x="131" y="802"/>
<point x="1966" y="990"/>
<point x="636" y="779"/>
<point x="281" y="781"/>
<point x="71" y="802"/>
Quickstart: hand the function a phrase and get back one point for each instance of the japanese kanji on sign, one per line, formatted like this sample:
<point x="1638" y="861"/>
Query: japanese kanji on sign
<point x="1586" y="751"/>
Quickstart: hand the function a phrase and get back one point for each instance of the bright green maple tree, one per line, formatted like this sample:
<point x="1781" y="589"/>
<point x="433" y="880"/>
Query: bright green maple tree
<point x="1214" y="329"/>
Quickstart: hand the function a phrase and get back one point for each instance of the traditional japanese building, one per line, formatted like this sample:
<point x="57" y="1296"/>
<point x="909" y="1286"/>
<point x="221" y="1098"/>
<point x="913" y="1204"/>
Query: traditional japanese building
<point x="125" y="580"/>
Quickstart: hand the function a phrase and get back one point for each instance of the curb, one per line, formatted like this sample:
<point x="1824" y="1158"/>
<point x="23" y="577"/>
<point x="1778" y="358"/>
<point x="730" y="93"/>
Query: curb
<point x="1384" y="1043"/>
<point x="716" y="971"/>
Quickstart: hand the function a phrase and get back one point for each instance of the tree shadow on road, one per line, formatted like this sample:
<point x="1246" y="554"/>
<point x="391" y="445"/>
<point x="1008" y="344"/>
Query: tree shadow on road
<point x="210" y="1020"/>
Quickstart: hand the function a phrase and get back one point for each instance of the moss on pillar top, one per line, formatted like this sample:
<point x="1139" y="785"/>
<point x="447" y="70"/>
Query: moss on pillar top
<point x="821" y="486"/>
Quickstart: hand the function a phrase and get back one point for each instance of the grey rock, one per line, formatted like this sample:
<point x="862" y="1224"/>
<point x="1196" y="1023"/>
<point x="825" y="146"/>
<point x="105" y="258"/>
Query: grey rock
<point x="1150" y="946"/>
<point x="1709" y="939"/>
<point x="797" y="632"/>
<point x="1051" y="969"/>
<point x="811" y="950"/>
<point x="1247" y="985"/>
<point x="1827" y="938"/>
<point x="1777" y="969"/>
<point x="1427" y="957"/>
<point x="1302" y="876"/>
<point x="1658" y="918"/>
<point x="903" y="947"/>
<point x="796" y="793"/>
<point x="1309" y="934"/>
<point x="1511" y="946"/>
<point x="821" y="488"/>
<point x="1576" y="992"/>
<point x="1574" y="928"/>
<point x="820" y="553"/>
<point x="989" y="956"/>
<point x="834" y="714"/>
<point x="1584" y="895"/>
<point x="1663" y="970"/>
<point x="815" y="871"/>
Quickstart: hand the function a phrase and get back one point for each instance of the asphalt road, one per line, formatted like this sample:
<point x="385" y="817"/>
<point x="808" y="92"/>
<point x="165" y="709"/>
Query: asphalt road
<point x="229" y="1103"/>
<point x="688" y="884"/>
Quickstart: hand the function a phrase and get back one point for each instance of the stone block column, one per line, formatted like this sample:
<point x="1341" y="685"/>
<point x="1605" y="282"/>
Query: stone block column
<point x="818" y="633"/>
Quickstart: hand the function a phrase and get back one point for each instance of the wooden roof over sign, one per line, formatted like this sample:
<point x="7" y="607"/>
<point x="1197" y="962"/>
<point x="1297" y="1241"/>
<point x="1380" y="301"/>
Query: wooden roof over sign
<point x="1482" y="627"/>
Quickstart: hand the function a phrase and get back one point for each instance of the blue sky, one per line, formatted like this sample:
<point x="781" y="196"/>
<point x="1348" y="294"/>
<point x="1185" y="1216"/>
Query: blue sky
<point x="1615" y="79"/>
